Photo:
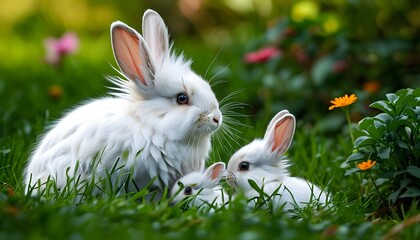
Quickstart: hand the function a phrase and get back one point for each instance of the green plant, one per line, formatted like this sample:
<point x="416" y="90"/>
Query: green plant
<point x="392" y="139"/>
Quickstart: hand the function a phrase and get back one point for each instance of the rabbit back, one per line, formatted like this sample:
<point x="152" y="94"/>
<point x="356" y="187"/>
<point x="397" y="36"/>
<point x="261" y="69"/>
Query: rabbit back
<point x="292" y="192"/>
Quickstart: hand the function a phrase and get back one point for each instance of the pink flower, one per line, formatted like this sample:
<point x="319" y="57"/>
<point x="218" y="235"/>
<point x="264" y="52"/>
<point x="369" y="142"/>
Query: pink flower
<point x="262" y="55"/>
<point x="57" y="48"/>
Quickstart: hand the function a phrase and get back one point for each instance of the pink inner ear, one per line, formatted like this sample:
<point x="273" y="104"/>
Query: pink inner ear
<point x="216" y="172"/>
<point x="282" y="135"/>
<point x="126" y="49"/>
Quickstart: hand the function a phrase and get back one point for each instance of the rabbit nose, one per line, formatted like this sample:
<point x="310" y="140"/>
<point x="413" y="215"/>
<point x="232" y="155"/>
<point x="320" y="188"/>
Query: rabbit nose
<point x="216" y="120"/>
<point x="217" y="117"/>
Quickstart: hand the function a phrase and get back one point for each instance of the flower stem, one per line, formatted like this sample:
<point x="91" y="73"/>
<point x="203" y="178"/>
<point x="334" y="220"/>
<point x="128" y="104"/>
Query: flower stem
<point x="376" y="187"/>
<point x="346" y="111"/>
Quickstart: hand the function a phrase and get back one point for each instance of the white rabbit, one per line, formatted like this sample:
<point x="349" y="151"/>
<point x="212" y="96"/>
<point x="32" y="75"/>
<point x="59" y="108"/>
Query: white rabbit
<point x="202" y="187"/>
<point x="263" y="162"/>
<point x="157" y="123"/>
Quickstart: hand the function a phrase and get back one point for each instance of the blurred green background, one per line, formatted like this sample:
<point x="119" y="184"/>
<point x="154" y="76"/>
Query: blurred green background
<point x="326" y="49"/>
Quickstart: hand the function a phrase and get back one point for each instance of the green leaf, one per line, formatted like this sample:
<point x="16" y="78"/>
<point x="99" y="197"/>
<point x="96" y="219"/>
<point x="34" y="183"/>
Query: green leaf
<point x="383" y="106"/>
<point x="380" y="126"/>
<point x="352" y="170"/>
<point x="395" y="124"/>
<point x="409" y="112"/>
<point x="396" y="173"/>
<point x="383" y="153"/>
<point x="357" y="156"/>
<point x="393" y="196"/>
<point x="416" y="93"/>
<point x="255" y="186"/>
<point x="364" y="141"/>
<point x="383" y="117"/>
<point x="411" y="192"/>
<point x="403" y="144"/>
<point x="417" y="113"/>
<point x="392" y="98"/>
<point x="373" y="131"/>
<point x="368" y="125"/>
<point x="365" y="123"/>
<point x="413" y="171"/>
<point x="404" y="92"/>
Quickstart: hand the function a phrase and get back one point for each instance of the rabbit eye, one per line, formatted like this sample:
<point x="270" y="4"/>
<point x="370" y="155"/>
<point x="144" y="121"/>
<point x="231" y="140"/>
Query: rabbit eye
<point x="243" y="166"/>
<point x="182" y="98"/>
<point x="188" y="191"/>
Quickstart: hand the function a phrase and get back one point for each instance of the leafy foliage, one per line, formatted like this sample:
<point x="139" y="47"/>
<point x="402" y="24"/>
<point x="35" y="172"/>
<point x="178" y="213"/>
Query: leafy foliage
<point x="392" y="139"/>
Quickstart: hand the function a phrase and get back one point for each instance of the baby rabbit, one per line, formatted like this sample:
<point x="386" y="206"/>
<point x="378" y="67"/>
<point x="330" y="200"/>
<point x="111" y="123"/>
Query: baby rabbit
<point x="263" y="162"/>
<point x="157" y="124"/>
<point x="201" y="187"/>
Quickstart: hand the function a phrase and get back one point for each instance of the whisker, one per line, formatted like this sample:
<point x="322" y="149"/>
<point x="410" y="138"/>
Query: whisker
<point x="224" y="148"/>
<point x="232" y="135"/>
<point x="231" y="121"/>
<point x="226" y="68"/>
<point x="231" y="96"/>
<point x="212" y="62"/>
<point x="229" y="135"/>
<point x="191" y="142"/>
<point x="220" y="148"/>
<point x="217" y="82"/>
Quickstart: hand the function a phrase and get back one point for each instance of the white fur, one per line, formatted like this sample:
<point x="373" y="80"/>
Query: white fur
<point x="268" y="168"/>
<point x="141" y="124"/>
<point x="205" y="187"/>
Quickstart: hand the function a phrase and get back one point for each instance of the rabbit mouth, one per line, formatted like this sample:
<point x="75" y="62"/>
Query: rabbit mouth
<point x="209" y="122"/>
<point x="207" y="125"/>
<point x="231" y="179"/>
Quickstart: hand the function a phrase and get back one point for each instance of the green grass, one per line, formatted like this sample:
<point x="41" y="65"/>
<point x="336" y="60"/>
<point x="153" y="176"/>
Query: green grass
<point x="24" y="217"/>
<point x="26" y="108"/>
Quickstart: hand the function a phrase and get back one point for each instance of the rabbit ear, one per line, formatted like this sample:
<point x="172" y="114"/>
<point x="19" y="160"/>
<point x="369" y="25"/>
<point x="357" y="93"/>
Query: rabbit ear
<point x="156" y="35"/>
<point x="132" y="55"/>
<point x="215" y="172"/>
<point x="279" y="137"/>
<point x="274" y="120"/>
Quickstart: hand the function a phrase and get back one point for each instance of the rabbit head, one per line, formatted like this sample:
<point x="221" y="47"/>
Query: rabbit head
<point x="203" y="187"/>
<point x="165" y="93"/>
<point x="262" y="160"/>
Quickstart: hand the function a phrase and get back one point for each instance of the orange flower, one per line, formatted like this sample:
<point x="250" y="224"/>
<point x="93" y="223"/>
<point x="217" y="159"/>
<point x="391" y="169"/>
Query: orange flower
<point x="55" y="91"/>
<point x="371" y="86"/>
<point x="366" y="165"/>
<point x="343" y="101"/>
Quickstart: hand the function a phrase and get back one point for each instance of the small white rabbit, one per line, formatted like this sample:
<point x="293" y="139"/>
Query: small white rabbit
<point x="202" y="187"/>
<point x="263" y="162"/>
<point x="157" y="123"/>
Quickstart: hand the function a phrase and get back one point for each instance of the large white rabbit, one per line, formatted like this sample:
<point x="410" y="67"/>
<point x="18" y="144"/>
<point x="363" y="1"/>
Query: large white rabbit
<point x="263" y="162"/>
<point x="202" y="187"/>
<point x="157" y="123"/>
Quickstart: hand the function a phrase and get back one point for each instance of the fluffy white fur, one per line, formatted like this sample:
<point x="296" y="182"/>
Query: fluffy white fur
<point x="204" y="186"/>
<point x="268" y="168"/>
<point x="141" y="125"/>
